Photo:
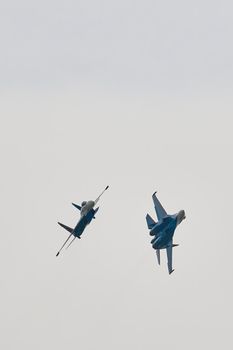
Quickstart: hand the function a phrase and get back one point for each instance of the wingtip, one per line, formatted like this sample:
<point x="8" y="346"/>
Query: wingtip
<point x="171" y="271"/>
<point x="154" y="194"/>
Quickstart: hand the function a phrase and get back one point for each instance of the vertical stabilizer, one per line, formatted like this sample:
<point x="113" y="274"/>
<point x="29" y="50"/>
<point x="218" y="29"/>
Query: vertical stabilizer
<point x="158" y="255"/>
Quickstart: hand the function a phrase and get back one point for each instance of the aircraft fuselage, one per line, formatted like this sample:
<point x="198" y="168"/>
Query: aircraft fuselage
<point x="87" y="207"/>
<point x="83" y="222"/>
<point x="163" y="232"/>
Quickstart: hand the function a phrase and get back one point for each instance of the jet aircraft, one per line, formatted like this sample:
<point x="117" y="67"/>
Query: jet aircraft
<point x="163" y="230"/>
<point x="87" y="214"/>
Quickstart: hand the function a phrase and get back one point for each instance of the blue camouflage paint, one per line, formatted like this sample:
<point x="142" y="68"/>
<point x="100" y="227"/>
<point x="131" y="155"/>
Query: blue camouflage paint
<point x="83" y="222"/>
<point x="163" y="230"/>
<point x="87" y="213"/>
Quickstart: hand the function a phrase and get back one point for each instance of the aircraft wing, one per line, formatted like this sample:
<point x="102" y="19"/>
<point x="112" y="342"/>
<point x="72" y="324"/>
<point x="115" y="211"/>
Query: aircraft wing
<point x="160" y="211"/>
<point x="169" y="258"/>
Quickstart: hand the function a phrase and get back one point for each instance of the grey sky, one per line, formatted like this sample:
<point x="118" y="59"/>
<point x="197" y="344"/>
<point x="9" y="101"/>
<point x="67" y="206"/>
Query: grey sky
<point x="161" y="45"/>
<point x="138" y="96"/>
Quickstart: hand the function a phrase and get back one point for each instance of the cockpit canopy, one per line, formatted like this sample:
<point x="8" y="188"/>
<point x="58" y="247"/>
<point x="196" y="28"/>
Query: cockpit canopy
<point x="83" y="203"/>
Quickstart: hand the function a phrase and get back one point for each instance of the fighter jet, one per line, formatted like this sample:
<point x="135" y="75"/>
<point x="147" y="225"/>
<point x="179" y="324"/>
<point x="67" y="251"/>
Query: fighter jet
<point x="87" y="214"/>
<point x="163" y="230"/>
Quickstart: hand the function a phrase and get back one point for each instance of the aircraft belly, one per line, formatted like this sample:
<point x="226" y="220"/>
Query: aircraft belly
<point x="158" y="243"/>
<point x="79" y="228"/>
<point x="163" y="240"/>
<point x="83" y="222"/>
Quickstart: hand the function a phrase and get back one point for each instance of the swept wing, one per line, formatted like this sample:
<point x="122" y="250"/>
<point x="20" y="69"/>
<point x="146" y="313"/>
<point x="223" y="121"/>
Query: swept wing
<point x="160" y="211"/>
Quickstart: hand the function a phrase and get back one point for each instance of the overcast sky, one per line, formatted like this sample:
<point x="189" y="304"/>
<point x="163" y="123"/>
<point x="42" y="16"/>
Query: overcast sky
<point x="138" y="96"/>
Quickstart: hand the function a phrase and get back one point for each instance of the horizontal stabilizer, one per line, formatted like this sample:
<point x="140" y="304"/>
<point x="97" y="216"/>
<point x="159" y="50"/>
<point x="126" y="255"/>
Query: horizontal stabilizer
<point x="150" y="222"/>
<point x="77" y="206"/>
<point x="69" y="229"/>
